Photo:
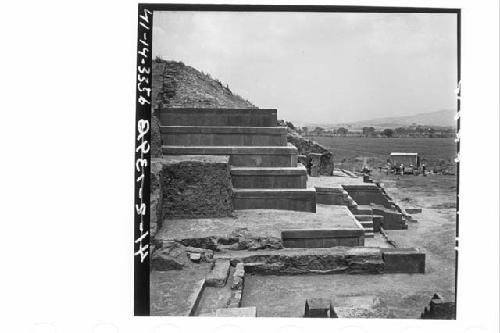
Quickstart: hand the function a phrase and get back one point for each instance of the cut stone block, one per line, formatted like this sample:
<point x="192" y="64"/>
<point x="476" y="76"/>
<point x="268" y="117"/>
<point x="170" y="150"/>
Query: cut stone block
<point x="218" y="117"/>
<point x="238" y="277"/>
<point x="319" y="308"/>
<point x="413" y="210"/>
<point x="364" y="210"/>
<point x="194" y="186"/>
<point x="256" y="156"/>
<point x="194" y="298"/>
<point x="322" y="238"/>
<point x="269" y="177"/>
<point x="439" y="309"/>
<point x="393" y="220"/>
<point x="315" y="164"/>
<point x="404" y="260"/>
<point x="237" y="312"/>
<point x="218" y="276"/>
<point x="223" y="136"/>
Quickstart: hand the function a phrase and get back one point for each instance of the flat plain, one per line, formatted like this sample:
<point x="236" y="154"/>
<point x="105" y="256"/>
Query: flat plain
<point x="354" y="151"/>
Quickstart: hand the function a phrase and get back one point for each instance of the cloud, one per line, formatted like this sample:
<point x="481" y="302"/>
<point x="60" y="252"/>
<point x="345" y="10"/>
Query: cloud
<point x="320" y="66"/>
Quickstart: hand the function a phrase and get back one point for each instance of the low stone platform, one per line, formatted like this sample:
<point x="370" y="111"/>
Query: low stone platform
<point x="223" y="136"/>
<point x="259" y="222"/>
<point x="340" y="259"/>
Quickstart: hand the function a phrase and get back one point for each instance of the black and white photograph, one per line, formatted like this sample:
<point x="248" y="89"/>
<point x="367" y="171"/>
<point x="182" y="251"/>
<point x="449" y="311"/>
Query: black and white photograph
<point x="304" y="163"/>
<point x="250" y="166"/>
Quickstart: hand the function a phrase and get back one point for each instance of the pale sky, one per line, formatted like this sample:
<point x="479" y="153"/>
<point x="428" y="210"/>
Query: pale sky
<point x="320" y="67"/>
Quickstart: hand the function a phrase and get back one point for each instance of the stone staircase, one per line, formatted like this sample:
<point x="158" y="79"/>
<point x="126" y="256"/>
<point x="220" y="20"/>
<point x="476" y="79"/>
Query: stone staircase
<point x="264" y="169"/>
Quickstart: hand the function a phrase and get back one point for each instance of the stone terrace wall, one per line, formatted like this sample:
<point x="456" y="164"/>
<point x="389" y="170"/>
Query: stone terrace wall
<point x="190" y="186"/>
<point x="306" y="146"/>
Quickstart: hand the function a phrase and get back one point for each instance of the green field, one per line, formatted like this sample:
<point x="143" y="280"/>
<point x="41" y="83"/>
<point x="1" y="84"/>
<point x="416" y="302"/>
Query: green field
<point x="355" y="151"/>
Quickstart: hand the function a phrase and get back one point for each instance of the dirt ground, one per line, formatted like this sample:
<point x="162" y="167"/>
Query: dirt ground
<point x="261" y="222"/>
<point x="386" y="295"/>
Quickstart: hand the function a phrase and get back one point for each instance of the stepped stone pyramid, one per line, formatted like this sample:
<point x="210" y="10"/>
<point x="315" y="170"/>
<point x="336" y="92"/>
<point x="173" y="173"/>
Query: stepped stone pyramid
<point x="264" y="170"/>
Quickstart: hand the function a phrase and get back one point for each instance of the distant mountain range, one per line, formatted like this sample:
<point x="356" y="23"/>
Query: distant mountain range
<point x="445" y="118"/>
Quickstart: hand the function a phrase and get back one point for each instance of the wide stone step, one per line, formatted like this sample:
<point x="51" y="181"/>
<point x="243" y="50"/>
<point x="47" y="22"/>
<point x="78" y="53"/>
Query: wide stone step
<point x="270" y="177"/>
<point x="218" y="117"/>
<point x="369" y="233"/>
<point x="361" y="217"/>
<point x="223" y="136"/>
<point x="339" y="259"/>
<point x="364" y="210"/>
<point x="367" y="224"/>
<point x="331" y="195"/>
<point x="287" y="199"/>
<point x="321" y="238"/>
<point x="257" y="156"/>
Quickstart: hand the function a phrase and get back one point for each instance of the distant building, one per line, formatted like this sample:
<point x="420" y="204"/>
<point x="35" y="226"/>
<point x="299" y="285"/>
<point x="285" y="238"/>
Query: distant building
<point x="405" y="159"/>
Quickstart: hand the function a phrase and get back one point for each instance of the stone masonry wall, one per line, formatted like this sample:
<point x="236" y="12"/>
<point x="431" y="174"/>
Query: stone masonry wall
<point x="155" y="211"/>
<point x="306" y="146"/>
<point x="190" y="186"/>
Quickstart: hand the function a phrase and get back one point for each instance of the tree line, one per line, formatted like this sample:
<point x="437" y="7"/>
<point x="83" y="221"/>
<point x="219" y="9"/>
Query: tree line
<point x="368" y="131"/>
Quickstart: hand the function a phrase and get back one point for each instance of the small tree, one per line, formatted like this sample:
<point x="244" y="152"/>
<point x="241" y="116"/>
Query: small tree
<point x="342" y="131"/>
<point x="388" y="132"/>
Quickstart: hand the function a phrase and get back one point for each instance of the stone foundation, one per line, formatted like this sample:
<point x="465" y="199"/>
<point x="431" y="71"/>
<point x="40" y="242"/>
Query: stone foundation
<point x="403" y="260"/>
<point x="190" y="186"/>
